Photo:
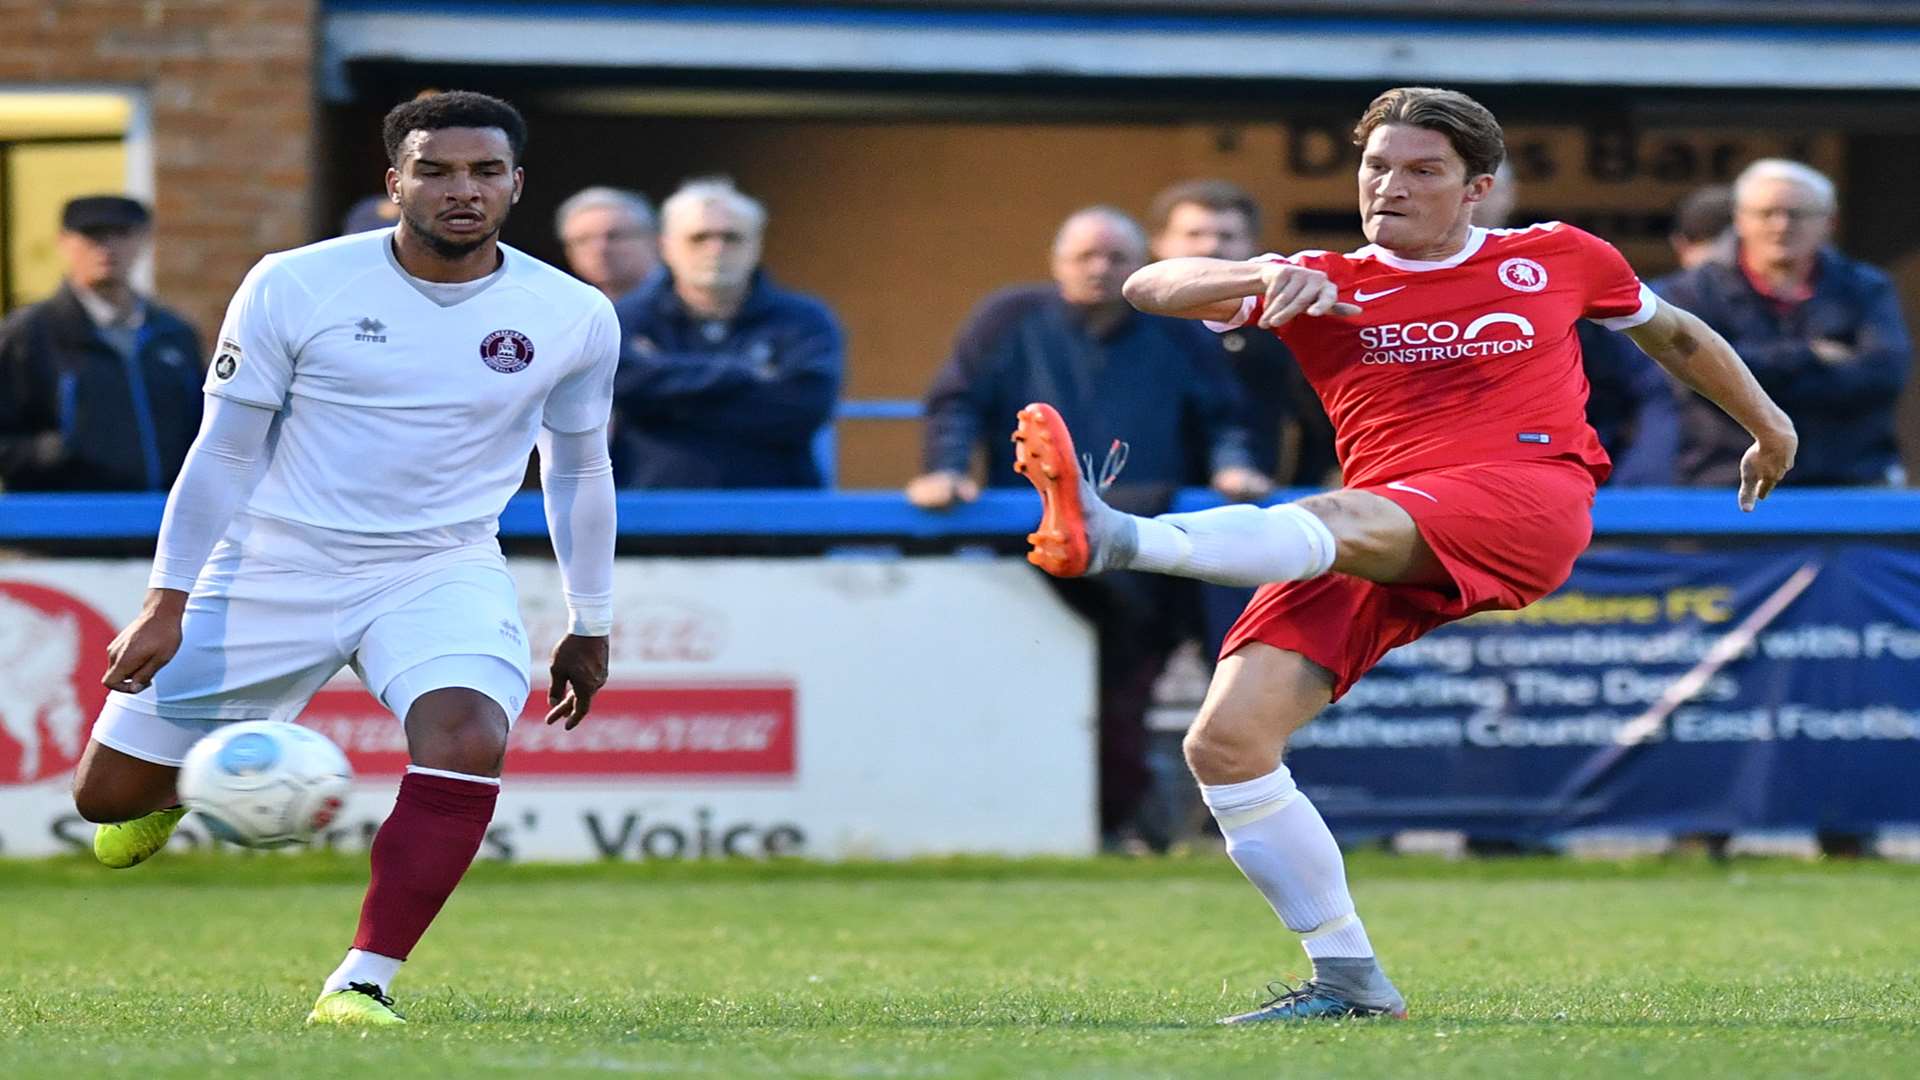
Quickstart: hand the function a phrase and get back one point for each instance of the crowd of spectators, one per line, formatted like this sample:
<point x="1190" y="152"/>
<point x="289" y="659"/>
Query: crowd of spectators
<point x="725" y="377"/>
<point x="729" y="380"/>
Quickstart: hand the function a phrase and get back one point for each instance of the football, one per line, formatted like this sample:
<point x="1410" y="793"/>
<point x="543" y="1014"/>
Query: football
<point x="264" y="783"/>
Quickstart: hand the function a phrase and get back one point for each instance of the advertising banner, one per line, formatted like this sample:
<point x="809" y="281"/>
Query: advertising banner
<point x="830" y="708"/>
<point x="1759" y="688"/>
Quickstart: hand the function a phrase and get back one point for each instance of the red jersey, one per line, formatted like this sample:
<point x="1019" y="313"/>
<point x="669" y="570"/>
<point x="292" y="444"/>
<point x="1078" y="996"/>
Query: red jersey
<point x="1469" y="359"/>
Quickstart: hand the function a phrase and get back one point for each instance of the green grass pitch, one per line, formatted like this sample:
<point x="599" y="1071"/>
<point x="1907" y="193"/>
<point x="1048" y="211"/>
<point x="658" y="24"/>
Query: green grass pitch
<point x="198" y="966"/>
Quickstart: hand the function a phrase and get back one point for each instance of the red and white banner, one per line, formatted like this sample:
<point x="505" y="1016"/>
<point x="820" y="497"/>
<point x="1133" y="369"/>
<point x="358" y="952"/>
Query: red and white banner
<point x="664" y="730"/>
<point x="825" y="707"/>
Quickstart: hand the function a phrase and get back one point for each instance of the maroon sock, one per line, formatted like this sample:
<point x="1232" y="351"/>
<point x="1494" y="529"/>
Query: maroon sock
<point x="418" y="856"/>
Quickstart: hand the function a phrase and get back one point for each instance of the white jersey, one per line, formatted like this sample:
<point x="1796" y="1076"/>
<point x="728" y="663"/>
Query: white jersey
<point x="406" y="411"/>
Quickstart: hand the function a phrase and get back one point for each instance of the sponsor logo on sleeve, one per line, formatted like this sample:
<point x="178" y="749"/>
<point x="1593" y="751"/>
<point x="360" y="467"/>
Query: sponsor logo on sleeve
<point x="226" y="360"/>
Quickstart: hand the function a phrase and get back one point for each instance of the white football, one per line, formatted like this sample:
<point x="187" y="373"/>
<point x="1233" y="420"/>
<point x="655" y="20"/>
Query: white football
<point x="265" y="784"/>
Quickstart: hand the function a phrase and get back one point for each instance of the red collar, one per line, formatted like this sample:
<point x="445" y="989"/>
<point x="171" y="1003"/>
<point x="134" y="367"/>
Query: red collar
<point x="1785" y="296"/>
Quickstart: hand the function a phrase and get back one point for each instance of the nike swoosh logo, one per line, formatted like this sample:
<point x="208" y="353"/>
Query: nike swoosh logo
<point x="1362" y="297"/>
<point x="1398" y="486"/>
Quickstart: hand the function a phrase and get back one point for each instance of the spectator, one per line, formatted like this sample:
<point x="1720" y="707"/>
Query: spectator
<point x="1078" y="344"/>
<point x="99" y="386"/>
<point x="1702" y="231"/>
<point x="610" y="238"/>
<point x="1822" y="332"/>
<point x="1629" y="403"/>
<point x="724" y="377"/>
<point x="1115" y="374"/>
<point x="370" y="213"/>
<point x="1703" y="226"/>
<point x="1289" y="435"/>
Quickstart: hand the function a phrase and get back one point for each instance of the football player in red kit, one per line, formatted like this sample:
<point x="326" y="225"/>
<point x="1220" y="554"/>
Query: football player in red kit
<point x="1447" y="358"/>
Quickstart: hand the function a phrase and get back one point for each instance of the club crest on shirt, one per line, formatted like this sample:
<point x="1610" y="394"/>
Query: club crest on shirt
<point x="1523" y="275"/>
<point x="506" y="351"/>
<point x="227" y="360"/>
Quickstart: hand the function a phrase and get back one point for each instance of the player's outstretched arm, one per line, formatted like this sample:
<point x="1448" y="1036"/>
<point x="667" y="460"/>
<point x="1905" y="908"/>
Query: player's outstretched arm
<point x="1215" y="289"/>
<point x="213" y="481"/>
<point x="1702" y="359"/>
<point x="576" y="481"/>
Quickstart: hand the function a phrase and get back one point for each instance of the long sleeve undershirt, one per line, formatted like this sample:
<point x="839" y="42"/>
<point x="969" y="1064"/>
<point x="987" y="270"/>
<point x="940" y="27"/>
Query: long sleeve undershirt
<point x="576" y="478"/>
<point x="213" y="482"/>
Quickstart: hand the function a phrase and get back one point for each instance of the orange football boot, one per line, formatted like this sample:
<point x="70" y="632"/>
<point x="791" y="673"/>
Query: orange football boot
<point x="1043" y="453"/>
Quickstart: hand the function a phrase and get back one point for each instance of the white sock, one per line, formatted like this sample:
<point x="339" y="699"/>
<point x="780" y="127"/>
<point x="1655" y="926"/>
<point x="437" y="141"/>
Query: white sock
<point x="364" y="967"/>
<point x="1277" y="838"/>
<point x="468" y="777"/>
<point x="1236" y="545"/>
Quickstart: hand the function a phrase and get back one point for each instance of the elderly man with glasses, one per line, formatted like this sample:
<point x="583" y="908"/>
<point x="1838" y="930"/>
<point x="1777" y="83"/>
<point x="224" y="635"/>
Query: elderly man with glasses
<point x="610" y="238"/>
<point x="1823" y="334"/>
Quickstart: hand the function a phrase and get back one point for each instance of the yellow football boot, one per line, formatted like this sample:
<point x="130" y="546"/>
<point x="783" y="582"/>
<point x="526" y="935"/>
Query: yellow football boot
<point x="130" y="843"/>
<point x="359" y="1005"/>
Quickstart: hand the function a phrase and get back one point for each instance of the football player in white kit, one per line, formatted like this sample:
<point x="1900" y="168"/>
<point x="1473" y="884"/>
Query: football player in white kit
<point x="370" y="409"/>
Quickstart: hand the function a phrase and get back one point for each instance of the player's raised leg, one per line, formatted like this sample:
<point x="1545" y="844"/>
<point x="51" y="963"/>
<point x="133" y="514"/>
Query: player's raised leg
<point x="125" y="780"/>
<point x="1260" y="695"/>
<point x="1354" y="532"/>
<point x="253" y="647"/>
<point x="456" y="738"/>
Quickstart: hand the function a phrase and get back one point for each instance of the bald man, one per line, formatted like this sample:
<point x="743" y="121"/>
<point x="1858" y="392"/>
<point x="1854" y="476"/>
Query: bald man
<point x="1156" y="383"/>
<point x="1077" y="344"/>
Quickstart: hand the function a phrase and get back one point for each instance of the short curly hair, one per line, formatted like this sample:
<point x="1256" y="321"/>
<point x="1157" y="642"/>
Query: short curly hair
<point x="452" y="109"/>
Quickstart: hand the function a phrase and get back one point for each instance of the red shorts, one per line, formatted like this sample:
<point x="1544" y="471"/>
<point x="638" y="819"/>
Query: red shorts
<point x="1507" y="533"/>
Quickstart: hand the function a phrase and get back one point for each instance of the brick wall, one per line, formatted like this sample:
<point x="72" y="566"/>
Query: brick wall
<point x="229" y="84"/>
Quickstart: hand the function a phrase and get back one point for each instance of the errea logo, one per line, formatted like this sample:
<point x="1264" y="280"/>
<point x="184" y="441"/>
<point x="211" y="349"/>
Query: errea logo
<point x="1443" y="339"/>
<point x="371" y="329"/>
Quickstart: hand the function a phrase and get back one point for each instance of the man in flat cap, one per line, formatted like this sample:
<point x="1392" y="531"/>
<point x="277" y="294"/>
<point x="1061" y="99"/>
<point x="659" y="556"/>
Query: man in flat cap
<point x="99" y="386"/>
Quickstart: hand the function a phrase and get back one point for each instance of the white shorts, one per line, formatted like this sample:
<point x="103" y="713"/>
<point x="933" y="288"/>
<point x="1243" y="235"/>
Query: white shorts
<point x="259" y="639"/>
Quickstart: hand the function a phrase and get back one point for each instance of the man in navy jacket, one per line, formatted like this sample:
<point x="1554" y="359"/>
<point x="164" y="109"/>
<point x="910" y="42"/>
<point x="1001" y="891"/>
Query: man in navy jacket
<point x="1823" y="334"/>
<point x="1161" y="385"/>
<point x="725" y="378"/>
<point x="1158" y="384"/>
<point x="99" y="386"/>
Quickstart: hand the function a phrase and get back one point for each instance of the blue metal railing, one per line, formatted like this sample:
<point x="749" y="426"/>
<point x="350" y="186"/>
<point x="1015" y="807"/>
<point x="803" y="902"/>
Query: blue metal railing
<point x="826" y="441"/>
<point x="880" y="409"/>
<point x="883" y="515"/>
